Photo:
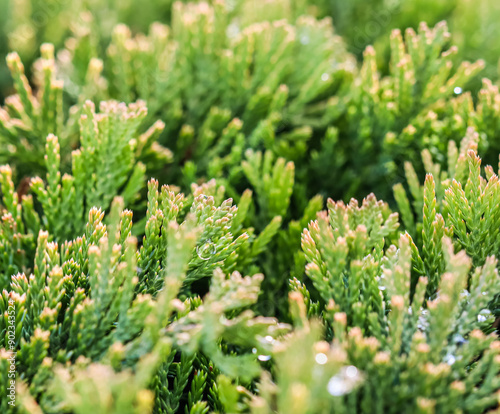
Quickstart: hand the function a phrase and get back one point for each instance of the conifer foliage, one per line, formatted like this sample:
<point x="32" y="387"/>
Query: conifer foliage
<point x="165" y="246"/>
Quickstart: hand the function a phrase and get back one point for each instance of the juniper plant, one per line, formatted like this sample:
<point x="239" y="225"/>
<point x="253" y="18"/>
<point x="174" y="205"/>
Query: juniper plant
<point x="87" y="304"/>
<point x="223" y="285"/>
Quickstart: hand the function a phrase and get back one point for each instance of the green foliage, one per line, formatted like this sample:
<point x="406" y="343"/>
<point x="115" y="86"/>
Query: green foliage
<point x="463" y="204"/>
<point x="381" y="112"/>
<point x="27" y="119"/>
<point x="345" y="254"/>
<point x="104" y="166"/>
<point x="222" y="285"/>
<point x="422" y="352"/>
<point x="85" y="304"/>
<point x="209" y="79"/>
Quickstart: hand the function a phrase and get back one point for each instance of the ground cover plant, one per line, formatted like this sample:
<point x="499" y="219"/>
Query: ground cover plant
<point x="249" y="207"/>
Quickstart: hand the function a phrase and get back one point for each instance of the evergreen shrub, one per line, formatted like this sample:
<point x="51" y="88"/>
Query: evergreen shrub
<point x="249" y="206"/>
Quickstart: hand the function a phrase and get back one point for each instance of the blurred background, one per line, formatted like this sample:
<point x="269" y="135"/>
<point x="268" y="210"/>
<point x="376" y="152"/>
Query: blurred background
<point x="26" y="24"/>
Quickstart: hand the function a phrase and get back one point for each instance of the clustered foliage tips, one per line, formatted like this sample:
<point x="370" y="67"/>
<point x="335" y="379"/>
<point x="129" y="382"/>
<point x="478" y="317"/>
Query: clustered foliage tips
<point x="226" y="284"/>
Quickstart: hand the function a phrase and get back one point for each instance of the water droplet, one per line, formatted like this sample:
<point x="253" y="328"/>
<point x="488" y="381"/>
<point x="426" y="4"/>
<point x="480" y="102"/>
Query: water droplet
<point x="304" y="39"/>
<point x="206" y="250"/>
<point x="459" y="339"/>
<point x="344" y="381"/>
<point x="484" y="293"/>
<point x="337" y="386"/>
<point x="232" y="30"/>
<point x="351" y="371"/>
<point x="254" y="350"/>
<point x="264" y="358"/>
<point x="381" y="288"/>
<point x="450" y="359"/>
<point x="423" y="323"/>
<point x="321" y="358"/>
<point x="325" y="77"/>
<point x="457" y="90"/>
<point x="410" y="310"/>
<point x="267" y="340"/>
<point x="483" y="315"/>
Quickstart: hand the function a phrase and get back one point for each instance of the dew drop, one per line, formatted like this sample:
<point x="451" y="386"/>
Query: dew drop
<point x="233" y="30"/>
<point x="423" y="323"/>
<point x="304" y="39"/>
<point x="459" y="339"/>
<point x="321" y="358"/>
<point x="264" y="358"/>
<point x="450" y="359"/>
<point x="457" y="90"/>
<point x="337" y="386"/>
<point x="344" y="381"/>
<point x="483" y="315"/>
<point x="206" y="250"/>
<point x="381" y="288"/>
<point x="267" y="340"/>
<point x="325" y="77"/>
<point x="351" y="371"/>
